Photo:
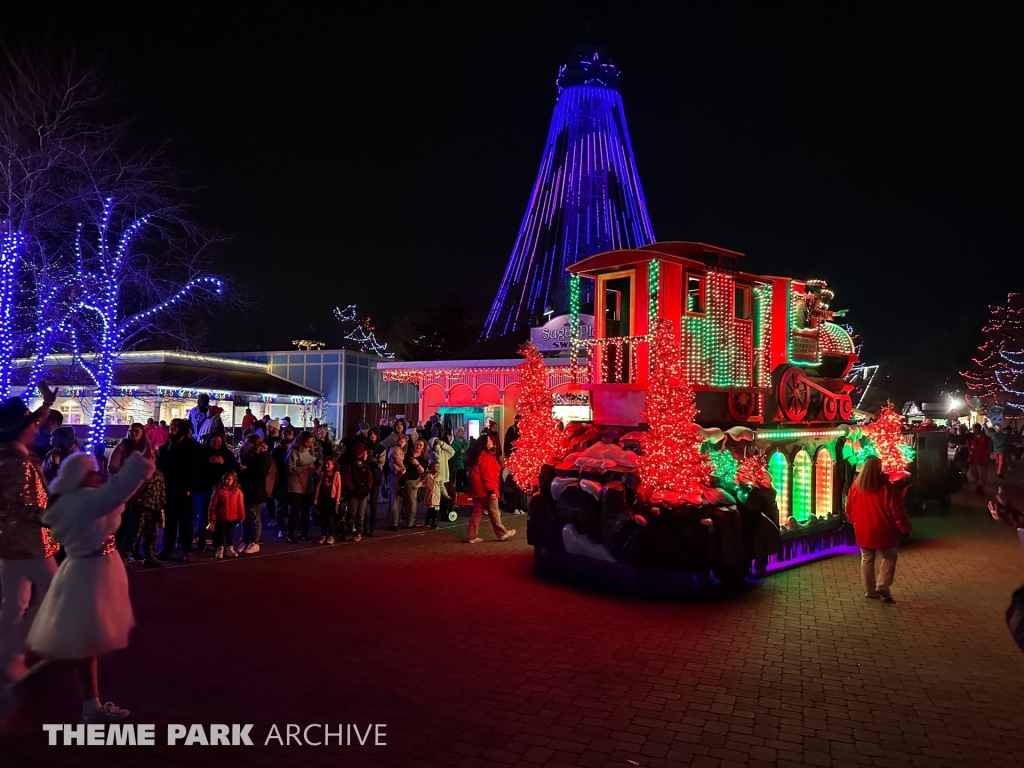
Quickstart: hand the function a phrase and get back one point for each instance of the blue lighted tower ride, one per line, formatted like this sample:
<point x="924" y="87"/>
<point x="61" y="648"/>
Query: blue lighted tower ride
<point x="587" y="197"/>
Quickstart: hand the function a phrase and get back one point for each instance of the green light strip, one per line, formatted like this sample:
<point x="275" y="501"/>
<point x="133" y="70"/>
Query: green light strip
<point x="788" y="434"/>
<point x="778" y="468"/>
<point x="653" y="286"/>
<point x="802" y="487"/>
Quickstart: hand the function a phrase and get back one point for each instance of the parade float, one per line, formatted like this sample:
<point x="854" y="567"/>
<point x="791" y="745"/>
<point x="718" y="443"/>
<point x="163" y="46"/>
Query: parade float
<point x="722" y="442"/>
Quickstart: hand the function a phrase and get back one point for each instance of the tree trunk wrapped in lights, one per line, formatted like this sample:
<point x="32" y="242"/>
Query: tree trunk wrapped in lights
<point x="540" y="440"/>
<point x="671" y="460"/>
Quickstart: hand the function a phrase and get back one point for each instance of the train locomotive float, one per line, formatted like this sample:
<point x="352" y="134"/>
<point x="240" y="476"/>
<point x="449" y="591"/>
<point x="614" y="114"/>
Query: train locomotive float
<point x="765" y="362"/>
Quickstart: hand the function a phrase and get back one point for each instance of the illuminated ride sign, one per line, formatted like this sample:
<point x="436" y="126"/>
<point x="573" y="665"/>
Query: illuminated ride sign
<point x="556" y="333"/>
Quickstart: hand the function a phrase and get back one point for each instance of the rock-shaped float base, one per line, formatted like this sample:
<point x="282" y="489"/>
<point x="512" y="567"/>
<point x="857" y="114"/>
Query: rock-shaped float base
<point x="556" y="563"/>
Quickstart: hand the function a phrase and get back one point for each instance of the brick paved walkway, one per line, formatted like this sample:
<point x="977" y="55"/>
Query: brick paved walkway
<point x="471" y="661"/>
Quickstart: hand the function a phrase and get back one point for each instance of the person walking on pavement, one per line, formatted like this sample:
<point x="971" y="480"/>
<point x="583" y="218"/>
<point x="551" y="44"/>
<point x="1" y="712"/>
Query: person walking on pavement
<point x="484" y="485"/>
<point x="875" y="508"/>
<point x="1000" y="446"/>
<point x="979" y="453"/>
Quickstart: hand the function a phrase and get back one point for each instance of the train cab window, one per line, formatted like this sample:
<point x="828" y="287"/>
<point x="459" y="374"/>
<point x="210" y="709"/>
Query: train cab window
<point x="617" y="312"/>
<point x="695" y="294"/>
<point x="742" y="302"/>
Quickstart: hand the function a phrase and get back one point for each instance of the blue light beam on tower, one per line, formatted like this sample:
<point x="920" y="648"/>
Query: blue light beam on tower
<point x="587" y="197"/>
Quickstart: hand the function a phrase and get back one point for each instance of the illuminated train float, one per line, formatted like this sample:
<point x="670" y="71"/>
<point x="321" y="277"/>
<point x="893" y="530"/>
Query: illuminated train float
<point x="766" y="364"/>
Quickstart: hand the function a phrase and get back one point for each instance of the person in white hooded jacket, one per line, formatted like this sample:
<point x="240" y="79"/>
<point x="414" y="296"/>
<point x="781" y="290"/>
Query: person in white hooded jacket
<point x="87" y="610"/>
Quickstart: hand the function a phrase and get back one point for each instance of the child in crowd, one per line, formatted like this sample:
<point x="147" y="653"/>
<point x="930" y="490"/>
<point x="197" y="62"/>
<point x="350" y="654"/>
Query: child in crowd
<point x="227" y="509"/>
<point x="434" y="492"/>
<point x="357" y="479"/>
<point x="327" y="500"/>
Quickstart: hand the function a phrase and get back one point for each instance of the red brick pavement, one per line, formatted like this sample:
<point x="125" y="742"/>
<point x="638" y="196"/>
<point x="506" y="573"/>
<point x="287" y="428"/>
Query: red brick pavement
<point x="471" y="661"/>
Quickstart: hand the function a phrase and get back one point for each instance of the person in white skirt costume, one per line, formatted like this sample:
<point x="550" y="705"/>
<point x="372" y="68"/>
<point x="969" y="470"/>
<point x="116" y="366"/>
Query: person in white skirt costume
<point x="87" y="611"/>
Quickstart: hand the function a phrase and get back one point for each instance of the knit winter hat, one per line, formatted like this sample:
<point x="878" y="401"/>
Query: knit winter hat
<point x="72" y="472"/>
<point x="15" y="418"/>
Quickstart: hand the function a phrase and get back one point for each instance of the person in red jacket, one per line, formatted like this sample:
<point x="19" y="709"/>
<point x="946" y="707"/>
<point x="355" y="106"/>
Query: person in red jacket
<point x="484" y="484"/>
<point x="875" y="507"/>
<point x="979" y="451"/>
<point x="227" y="509"/>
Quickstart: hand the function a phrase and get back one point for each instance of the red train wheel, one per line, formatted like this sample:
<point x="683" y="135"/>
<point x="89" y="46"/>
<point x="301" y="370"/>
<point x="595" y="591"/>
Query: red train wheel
<point x="829" y="407"/>
<point x="794" y="394"/>
<point x="845" y="407"/>
<point x="741" y="405"/>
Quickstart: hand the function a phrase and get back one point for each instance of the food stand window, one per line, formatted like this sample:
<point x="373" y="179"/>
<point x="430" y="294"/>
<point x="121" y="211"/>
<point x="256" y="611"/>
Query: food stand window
<point x="823" y="484"/>
<point x="695" y="301"/>
<point x="802" y="486"/>
<point x="741" y="304"/>
<point x="616" y="311"/>
<point x="778" y="468"/>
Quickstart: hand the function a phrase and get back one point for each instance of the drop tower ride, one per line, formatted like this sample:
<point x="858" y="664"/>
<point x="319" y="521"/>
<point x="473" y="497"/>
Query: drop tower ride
<point x="587" y="198"/>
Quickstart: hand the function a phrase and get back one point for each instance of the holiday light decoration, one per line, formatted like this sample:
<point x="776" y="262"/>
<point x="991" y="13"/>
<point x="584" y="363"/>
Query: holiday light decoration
<point x="653" y="291"/>
<point x="102" y="271"/>
<point x="586" y="199"/>
<point x="717" y="346"/>
<point x="724" y="465"/>
<point x="886" y="435"/>
<point x="996" y="374"/>
<point x="671" y="459"/>
<point x="362" y="332"/>
<point x="540" y="440"/>
<point x="10" y="259"/>
<point x="750" y="470"/>
<point x="802" y="486"/>
<point x="185" y="393"/>
<point x="823" y="478"/>
<point x="792" y="434"/>
<point x="778" y="468"/>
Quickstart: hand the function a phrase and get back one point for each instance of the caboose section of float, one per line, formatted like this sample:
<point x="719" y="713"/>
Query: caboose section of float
<point x="721" y="443"/>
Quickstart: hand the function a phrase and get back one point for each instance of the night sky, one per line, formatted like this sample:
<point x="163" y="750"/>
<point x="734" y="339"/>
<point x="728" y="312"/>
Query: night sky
<point x="386" y="157"/>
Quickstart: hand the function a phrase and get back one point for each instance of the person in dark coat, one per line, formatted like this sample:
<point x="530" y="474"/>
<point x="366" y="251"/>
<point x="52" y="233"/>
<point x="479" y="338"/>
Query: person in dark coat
<point x="215" y="460"/>
<point x="376" y="456"/>
<point x="278" y="455"/>
<point x="179" y="459"/>
<point x="257" y="465"/>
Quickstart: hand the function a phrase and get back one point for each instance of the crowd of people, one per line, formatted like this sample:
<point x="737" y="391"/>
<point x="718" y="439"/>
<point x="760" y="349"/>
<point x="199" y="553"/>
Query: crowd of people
<point x="63" y="504"/>
<point x="296" y="480"/>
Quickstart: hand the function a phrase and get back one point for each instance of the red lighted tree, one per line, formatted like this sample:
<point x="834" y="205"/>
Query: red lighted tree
<point x="887" y="437"/>
<point x="540" y="440"/>
<point x="671" y="458"/>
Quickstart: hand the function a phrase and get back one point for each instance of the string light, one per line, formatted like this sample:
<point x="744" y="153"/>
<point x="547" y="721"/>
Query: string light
<point x="671" y="459"/>
<point x="362" y="333"/>
<point x="996" y="374"/>
<point x="717" y="346"/>
<point x="184" y="393"/>
<point x="540" y="440"/>
<point x="101" y="276"/>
